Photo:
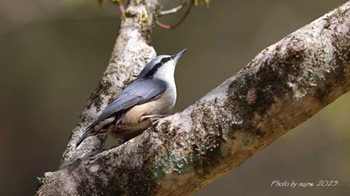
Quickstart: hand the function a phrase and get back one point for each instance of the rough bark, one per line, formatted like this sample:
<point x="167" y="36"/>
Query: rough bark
<point x="279" y="89"/>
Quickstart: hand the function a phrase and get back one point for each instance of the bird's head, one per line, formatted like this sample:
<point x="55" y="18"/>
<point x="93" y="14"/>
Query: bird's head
<point x="161" y="67"/>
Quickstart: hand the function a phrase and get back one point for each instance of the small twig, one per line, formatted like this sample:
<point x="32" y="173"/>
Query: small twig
<point x="164" y="26"/>
<point x="171" y="11"/>
<point x="121" y="8"/>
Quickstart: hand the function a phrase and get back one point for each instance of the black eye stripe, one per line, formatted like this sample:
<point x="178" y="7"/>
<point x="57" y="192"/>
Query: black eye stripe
<point x="164" y="60"/>
<point x="151" y="72"/>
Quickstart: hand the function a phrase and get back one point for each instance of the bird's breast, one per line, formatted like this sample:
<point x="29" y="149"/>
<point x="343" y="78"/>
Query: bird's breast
<point x="160" y="105"/>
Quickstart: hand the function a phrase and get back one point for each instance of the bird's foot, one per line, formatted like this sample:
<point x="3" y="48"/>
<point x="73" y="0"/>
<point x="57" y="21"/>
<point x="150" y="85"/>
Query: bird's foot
<point x="154" y="118"/>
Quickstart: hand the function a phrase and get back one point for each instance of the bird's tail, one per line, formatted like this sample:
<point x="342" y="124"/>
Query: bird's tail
<point x="93" y="129"/>
<point x="85" y="135"/>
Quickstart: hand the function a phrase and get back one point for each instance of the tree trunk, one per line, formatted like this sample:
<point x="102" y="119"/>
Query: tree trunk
<point x="280" y="88"/>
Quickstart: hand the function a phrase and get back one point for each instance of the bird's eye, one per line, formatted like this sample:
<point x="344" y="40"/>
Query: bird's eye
<point x="164" y="60"/>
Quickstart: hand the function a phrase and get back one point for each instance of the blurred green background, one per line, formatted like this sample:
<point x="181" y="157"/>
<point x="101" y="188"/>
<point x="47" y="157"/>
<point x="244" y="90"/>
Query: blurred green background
<point x="52" y="54"/>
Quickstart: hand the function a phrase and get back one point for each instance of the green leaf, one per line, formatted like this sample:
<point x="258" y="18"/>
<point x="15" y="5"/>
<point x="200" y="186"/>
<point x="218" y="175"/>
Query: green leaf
<point x="117" y="2"/>
<point x="206" y="2"/>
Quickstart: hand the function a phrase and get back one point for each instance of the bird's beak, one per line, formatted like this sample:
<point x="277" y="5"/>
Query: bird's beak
<point x="179" y="54"/>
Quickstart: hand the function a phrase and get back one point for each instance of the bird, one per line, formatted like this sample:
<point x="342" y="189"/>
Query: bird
<point x="151" y="96"/>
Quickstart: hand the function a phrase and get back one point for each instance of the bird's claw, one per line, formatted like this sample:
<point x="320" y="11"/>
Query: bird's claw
<point x="153" y="118"/>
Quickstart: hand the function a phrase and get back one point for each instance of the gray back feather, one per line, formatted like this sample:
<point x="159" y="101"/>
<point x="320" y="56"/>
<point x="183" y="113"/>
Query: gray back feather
<point x="138" y="92"/>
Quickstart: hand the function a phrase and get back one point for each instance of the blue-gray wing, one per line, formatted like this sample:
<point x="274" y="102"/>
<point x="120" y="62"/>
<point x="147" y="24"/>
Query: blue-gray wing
<point x="138" y="92"/>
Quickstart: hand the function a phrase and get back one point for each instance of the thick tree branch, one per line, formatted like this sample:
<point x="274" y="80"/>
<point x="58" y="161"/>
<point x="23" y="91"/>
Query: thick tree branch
<point x="280" y="88"/>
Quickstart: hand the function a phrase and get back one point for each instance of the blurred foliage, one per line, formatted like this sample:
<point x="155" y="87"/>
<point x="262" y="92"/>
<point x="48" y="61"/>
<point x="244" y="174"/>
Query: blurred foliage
<point x="75" y="3"/>
<point x="114" y="2"/>
<point x="196" y="2"/>
<point x="205" y="2"/>
<point x="117" y="2"/>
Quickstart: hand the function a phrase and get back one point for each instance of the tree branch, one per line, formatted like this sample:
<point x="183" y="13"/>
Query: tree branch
<point x="173" y="10"/>
<point x="279" y="89"/>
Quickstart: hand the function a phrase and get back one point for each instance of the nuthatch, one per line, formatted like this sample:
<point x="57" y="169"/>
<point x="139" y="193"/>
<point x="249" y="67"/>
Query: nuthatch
<point x="151" y="96"/>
